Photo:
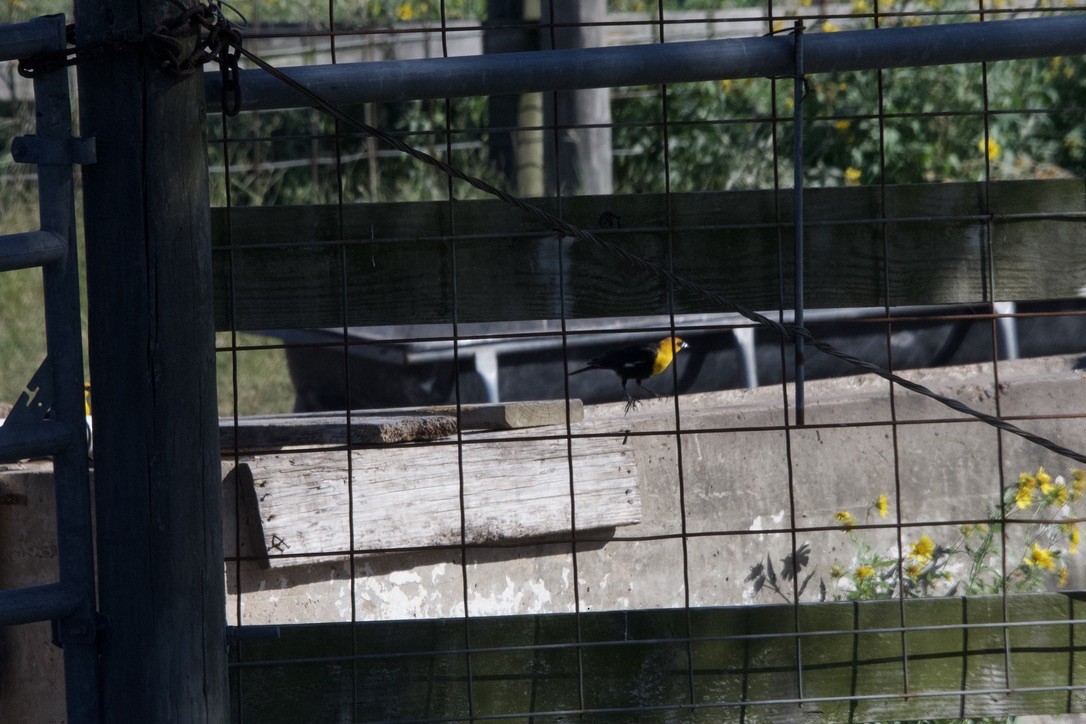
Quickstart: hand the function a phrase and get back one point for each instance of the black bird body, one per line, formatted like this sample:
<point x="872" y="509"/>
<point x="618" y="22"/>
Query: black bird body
<point x="637" y="362"/>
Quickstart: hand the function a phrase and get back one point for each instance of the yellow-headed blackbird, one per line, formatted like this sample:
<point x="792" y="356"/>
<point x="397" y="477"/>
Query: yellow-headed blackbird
<point x="637" y="363"/>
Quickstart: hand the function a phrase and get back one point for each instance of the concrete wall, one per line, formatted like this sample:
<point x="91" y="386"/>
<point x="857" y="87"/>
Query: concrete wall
<point x="735" y="489"/>
<point x="734" y="484"/>
<point x="31" y="668"/>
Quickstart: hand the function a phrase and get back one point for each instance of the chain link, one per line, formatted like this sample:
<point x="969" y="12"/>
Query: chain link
<point x="218" y="40"/>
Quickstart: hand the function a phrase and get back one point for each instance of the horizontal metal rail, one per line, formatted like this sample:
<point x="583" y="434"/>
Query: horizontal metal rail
<point x="39" y="603"/>
<point x="30" y="249"/>
<point x="44" y="438"/>
<point x="20" y="40"/>
<point x="768" y="56"/>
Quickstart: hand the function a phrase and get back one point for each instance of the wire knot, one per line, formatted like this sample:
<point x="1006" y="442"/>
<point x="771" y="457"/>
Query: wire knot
<point x="217" y="39"/>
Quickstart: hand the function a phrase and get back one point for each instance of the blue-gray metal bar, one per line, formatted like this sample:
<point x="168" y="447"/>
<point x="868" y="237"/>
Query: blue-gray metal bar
<point x="38" y="603"/>
<point x="20" y="40"/>
<point x="30" y="249"/>
<point x="44" y="438"/>
<point x="71" y="602"/>
<point x="771" y="56"/>
<point x="77" y="631"/>
<point x="799" y="90"/>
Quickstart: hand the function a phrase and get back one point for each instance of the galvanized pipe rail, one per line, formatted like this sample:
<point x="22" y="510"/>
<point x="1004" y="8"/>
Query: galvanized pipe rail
<point x="768" y="56"/>
<point x="51" y="421"/>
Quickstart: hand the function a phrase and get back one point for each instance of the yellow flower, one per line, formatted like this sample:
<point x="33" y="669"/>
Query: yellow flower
<point x="836" y="571"/>
<point x="913" y="571"/>
<point x="845" y="518"/>
<point x="861" y="7"/>
<point x="1041" y="558"/>
<point x="1078" y="484"/>
<point x="966" y="529"/>
<point x="1042" y="477"/>
<point x="1026" y="485"/>
<point x="882" y="504"/>
<point x="993" y="148"/>
<point x="852" y="175"/>
<point x="828" y="27"/>
<point x="843" y="124"/>
<point x="1074" y="537"/>
<point x="864" y="572"/>
<point x="405" y="12"/>
<point x="1063" y="576"/>
<point x="725" y="85"/>
<point x="923" y="550"/>
<point x="982" y="527"/>
<point x="1055" y="492"/>
<point x="779" y="25"/>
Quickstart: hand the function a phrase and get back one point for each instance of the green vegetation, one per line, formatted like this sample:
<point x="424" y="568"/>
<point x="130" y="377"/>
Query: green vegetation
<point x="718" y="136"/>
<point x="966" y="559"/>
<point x="264" y="384"/>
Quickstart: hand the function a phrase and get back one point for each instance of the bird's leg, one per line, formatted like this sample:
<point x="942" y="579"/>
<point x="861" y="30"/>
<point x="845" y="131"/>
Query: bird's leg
<point x="631" y="403"/>
<point x="646" y="389"/>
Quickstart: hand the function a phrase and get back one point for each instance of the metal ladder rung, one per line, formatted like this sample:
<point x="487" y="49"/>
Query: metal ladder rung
<point x="38" y="603"/>
<point x="33" y="440"/>
<point x="30" y="249"/>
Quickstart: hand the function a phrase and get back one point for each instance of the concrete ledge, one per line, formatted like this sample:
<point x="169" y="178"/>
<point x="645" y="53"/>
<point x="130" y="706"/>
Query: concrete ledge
<point x="735" y="457"/>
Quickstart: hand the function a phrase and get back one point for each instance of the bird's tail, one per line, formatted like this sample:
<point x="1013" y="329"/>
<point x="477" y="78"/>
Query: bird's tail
<point x="583" y="369"/>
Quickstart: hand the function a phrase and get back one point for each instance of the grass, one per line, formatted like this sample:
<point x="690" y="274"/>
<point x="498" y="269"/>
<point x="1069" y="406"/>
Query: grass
<point x="263" y="382"/>
<point x="22" y="322"/>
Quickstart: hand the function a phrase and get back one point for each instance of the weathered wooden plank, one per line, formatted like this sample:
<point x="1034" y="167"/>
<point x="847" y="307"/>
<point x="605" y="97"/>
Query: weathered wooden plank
<point x="399" y="257"/>
<point x="512" y="415"/>
<point x="409" y="497"/>
<point x="403" y="424"/>
<point x="277" y="431"/>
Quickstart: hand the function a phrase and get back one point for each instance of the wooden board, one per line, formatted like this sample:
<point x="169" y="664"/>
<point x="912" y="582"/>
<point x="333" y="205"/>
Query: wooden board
<point x="512" y="415"/>
<point x="410" y="497"/>
<point x="402" y="424"/>
<point x="279" y="431"/>
<point x="286" y="264"/>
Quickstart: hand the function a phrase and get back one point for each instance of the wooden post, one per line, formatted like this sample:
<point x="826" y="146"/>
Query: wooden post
<point x="584" y="162"/>
<point x="513" y="25"/>
<point x="156" y="447"/>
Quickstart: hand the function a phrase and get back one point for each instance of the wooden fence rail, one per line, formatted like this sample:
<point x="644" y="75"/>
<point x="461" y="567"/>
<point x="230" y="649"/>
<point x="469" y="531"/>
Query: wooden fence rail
<point x="393" y="263"/>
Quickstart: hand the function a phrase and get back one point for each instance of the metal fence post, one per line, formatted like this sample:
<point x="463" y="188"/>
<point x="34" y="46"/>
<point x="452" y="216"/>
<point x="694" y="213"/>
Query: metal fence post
<point x="799" y="90"/>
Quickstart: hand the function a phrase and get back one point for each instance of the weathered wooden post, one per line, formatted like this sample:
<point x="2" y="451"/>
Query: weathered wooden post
<point x="152" y="364"/>
<point x="584" y="166"/>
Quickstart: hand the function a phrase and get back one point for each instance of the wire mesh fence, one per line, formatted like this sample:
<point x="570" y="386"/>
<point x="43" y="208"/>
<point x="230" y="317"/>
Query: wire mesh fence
<point x="445" y="524"/>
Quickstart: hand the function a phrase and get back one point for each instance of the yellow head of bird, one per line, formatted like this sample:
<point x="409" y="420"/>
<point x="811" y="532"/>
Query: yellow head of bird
<point x="674" y="343"/>
<point x="665" y="352"/>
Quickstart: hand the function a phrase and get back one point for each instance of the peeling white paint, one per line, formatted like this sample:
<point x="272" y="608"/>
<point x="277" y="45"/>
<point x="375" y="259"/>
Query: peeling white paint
<point x="776" y="519"/>
<point x="528" y="597"/>
<point x="399" y="578"/>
